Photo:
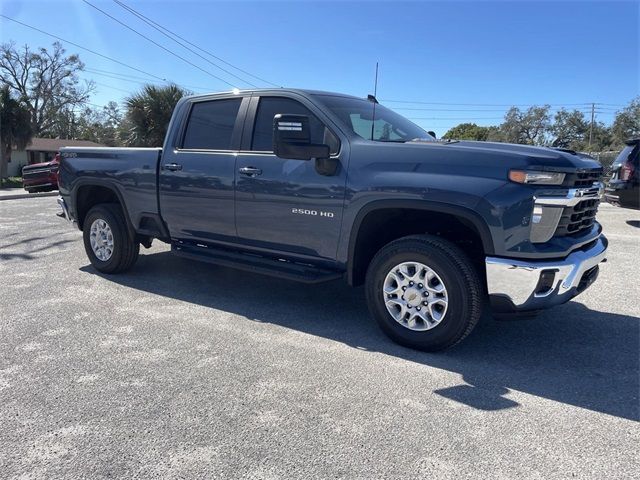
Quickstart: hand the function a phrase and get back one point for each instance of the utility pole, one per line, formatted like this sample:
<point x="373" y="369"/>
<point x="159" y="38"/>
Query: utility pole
<point x="593" y="111"/>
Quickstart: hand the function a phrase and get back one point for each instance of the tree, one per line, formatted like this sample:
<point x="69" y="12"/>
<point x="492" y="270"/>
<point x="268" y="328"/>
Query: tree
<point x="570" y="130"/>
<point x="15" y="128"/>
<point x="627" y="122"/>
<point x="46" y="81"/>
<point x="527" y="127"/>
<point x="99" y="125"/>
<point x="469" y="131"/>
<point x="148" y="114"/>
<point x="601" y="139"/>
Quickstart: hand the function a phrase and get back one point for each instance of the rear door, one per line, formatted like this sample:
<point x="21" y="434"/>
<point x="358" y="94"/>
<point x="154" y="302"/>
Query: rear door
<point x="286" y="206"/>
<point x="197" y="176"/>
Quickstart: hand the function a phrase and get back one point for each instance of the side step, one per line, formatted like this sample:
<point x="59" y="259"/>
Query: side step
<point x="257" y="264"/>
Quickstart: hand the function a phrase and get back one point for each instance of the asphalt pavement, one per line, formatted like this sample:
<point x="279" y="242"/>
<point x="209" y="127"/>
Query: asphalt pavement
<point x="178" y="369"/>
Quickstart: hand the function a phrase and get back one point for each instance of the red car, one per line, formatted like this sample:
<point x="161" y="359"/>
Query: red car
<point x="41" y="177"/>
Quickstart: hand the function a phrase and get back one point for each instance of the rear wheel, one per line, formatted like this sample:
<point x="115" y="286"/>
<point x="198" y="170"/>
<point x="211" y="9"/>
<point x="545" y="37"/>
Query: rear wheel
<point x="424" y="292"/>
<point x="107" y="241"/>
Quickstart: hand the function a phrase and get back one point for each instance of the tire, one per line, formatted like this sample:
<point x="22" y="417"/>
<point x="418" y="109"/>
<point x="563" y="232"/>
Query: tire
<point x="456" y="309"/>
<point x="124" y="249"/>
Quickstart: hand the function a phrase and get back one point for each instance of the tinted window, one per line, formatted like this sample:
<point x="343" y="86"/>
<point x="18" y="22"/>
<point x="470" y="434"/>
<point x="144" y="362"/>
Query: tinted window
<point x="269" y="107"/>
<point x="211" y="124"/>
<point x="627" y="153"/>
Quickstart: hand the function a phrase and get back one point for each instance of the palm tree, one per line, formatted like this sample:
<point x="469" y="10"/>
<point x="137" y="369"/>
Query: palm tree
<point x="15" y="128"/>
<point x="148" y="114"/>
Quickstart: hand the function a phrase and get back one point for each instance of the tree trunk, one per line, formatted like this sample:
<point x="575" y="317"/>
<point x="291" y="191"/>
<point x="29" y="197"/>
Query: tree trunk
<point x="4" y="162"/>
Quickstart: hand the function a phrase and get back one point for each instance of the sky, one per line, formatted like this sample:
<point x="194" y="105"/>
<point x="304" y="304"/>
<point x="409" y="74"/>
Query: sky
<point x="440" y="63"/>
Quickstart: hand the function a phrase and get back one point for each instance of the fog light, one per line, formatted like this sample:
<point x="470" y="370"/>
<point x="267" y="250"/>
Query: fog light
<point x="545" y="283"/>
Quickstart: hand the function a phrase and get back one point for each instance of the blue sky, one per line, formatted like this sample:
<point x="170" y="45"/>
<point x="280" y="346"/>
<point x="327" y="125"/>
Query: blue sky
<point x="455" y="56"/>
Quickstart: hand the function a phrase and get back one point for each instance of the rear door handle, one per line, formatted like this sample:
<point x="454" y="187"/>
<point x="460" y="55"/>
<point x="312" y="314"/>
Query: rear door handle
<point x="173" y="167"/>
<point x="250" y="171"/>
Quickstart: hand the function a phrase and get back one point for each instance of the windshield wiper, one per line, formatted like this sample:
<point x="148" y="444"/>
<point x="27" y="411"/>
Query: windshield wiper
<point x="435" y="140"/>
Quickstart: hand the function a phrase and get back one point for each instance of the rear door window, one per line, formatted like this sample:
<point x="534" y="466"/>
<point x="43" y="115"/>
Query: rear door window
<point x="210" y="125"/>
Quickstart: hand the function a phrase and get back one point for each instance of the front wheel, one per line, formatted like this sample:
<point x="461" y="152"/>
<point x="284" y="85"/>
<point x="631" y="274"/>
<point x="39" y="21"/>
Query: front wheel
<point x="424" y="292"/>
<point x="107" y="241"/>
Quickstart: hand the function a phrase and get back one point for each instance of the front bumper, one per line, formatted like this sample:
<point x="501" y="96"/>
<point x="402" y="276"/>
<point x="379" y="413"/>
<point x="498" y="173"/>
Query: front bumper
<point x="521" y="285"/>
<point x="65" y="210"/>
<point x="39" y="178"/>
<point x="623" y="194"/>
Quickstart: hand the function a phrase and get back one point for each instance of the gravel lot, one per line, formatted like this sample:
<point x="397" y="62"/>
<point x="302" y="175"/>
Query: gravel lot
<point x="179" y="369"/>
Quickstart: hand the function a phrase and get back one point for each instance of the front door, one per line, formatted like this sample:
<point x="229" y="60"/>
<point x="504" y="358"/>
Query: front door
<point x="286" y="206"/>
<point x="197" y="176"/>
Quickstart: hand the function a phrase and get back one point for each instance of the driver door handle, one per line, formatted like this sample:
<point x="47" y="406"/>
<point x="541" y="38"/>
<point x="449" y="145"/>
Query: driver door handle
<point x="250" y="171"/>
<point x="173" y="167"/>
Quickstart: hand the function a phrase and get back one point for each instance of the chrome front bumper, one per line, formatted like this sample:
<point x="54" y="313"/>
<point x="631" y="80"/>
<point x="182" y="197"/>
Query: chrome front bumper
<point x="65" y="209"/>
<point x="519" y="285"/>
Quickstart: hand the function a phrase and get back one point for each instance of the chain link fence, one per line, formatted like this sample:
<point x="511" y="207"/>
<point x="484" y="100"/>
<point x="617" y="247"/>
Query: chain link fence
<point x="606" y="159"/>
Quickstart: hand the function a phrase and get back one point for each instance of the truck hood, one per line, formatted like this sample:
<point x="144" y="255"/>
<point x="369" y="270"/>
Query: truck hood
<point x="536" y="157"/>
<point x="37" y="166"/>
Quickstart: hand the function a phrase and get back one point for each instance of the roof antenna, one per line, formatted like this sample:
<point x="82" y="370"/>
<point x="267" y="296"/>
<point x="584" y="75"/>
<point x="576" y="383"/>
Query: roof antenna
<point x="372" y="98"/>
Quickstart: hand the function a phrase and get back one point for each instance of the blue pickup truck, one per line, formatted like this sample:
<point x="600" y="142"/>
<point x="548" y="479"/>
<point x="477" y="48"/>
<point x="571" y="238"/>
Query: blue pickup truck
<point x="314" y="186"/>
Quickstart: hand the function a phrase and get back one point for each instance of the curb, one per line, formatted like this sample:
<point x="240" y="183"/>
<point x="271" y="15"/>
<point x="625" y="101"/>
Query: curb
<point x="28" y="195"/>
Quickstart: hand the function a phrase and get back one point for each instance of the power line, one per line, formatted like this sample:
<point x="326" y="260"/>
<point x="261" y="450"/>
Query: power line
<point x="113" y="88"/>
<point x="159" y="45"/>
<point x="155" y="24"/>
<point x="104" y="72"/>
<point x="456" y="118"/>
<point x="468" y="109"/>
<point x="160" y="29"/>
<point x="141" y="80"/>
<point x="82" y="48"/>
<point x="416" y="102"/>
<point x="87" y="70"/>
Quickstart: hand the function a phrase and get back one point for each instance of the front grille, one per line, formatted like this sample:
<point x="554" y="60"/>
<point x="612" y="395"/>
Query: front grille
<point x="582" y="179"/>
<point x="36" y="172"/>
<point x="578" y="218"/>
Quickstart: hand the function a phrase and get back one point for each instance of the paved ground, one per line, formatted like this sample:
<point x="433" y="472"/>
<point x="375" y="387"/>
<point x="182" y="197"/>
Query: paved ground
<point x="179" y="369"/>
<point x="16" y="193"/>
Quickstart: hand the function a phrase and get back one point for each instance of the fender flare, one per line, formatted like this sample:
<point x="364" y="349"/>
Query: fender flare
<point x="94" y="182"/>
<point x="455" y="210"/>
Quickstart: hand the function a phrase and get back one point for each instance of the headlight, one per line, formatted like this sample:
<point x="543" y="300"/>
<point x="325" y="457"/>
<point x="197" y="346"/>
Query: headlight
<point x="537" y="178"/>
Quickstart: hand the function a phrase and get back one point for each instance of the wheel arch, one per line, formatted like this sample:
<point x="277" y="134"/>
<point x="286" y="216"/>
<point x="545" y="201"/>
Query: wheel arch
<point x="374" y="219"/>
<point x="93" y="192"/>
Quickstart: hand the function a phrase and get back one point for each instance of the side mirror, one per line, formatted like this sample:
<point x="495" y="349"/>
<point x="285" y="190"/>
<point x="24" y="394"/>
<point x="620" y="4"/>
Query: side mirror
<point x="433" y="134"/>
<point x="292" y="138"/>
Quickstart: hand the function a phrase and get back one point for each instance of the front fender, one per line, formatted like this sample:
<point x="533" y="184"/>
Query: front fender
<point x="347" y="247"/>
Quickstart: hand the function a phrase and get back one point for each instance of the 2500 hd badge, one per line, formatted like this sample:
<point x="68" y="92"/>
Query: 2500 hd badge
<point x="304" y="211"/>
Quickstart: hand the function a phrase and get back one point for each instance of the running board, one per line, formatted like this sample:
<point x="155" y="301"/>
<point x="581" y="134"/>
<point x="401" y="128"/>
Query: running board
<point x="253" y="263"/>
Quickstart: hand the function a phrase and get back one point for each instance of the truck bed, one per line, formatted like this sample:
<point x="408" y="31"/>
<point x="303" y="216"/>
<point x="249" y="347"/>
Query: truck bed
<point x="132" y="171"/>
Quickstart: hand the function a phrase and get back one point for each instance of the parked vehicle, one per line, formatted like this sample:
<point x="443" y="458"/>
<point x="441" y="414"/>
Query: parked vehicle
<point x="623" y="189"/>
<point x="41" y="177"/>
<point x="315" y="186"/>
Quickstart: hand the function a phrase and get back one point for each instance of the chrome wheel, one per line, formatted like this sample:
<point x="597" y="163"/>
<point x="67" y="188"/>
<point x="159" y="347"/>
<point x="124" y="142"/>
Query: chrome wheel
<point x="415" y="296"/>
<point x="101" y="238"/>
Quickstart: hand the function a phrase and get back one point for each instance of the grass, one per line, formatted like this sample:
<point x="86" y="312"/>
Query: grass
<point x="11" y="182"/>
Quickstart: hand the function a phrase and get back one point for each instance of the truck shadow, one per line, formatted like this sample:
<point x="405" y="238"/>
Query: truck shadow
<point x="570" y="354"/>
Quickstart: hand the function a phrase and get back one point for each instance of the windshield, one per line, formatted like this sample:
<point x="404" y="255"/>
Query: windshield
<point x="357" y="115"/>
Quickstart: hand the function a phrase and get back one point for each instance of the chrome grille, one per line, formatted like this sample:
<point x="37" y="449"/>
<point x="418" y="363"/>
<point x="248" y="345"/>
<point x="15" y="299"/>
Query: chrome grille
<point x="582" y="179"/>
<point x="578" y="218"/>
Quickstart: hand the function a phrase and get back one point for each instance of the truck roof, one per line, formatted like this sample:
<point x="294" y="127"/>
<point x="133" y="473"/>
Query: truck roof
<point x="300" y="91"/>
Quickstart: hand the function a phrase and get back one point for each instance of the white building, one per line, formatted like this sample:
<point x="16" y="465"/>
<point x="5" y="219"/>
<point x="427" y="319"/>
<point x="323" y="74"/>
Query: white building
<point x="42" y="150"/>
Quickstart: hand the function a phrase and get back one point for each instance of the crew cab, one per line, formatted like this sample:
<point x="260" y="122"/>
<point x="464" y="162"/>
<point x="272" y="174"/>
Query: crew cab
<point x="315" y="186"/>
